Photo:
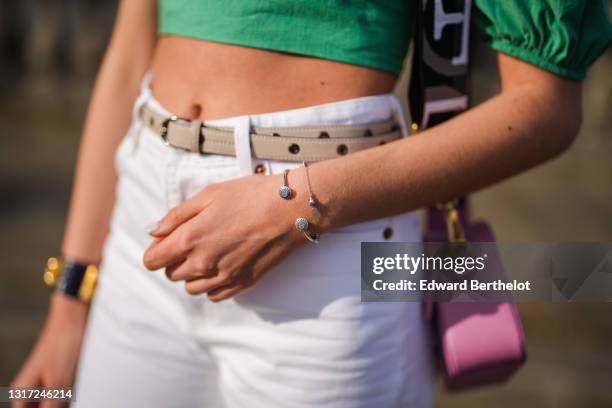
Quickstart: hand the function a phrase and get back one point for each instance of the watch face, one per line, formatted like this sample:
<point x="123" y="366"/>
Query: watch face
<point x="285" y="192"/>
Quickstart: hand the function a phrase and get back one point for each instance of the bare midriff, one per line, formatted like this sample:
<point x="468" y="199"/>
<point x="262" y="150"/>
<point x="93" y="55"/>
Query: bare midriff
<point x="208" y="80"/>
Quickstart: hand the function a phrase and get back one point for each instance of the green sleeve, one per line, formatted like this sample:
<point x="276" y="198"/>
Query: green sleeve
<point x="561" y="36"/>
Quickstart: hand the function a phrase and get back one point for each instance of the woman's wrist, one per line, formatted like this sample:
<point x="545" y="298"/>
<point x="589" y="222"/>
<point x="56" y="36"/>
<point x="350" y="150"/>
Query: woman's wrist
<point x="68" y="309"/>
<point x="313" y="181"/>
<point x="305" y="203"/>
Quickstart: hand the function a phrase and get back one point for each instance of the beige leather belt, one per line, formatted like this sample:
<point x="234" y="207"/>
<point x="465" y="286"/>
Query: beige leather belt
<point x="304" y="143"/>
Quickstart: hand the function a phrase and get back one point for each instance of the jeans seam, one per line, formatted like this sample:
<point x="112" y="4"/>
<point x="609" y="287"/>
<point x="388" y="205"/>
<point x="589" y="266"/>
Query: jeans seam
<point x="172" y="187"/>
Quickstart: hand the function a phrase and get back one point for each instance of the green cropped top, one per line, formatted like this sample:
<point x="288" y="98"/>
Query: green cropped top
<point x="561" y="36"/>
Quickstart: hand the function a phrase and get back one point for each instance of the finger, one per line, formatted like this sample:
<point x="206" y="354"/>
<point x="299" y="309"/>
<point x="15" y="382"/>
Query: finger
<point x="171" y="249"/>
<point x="169" y="271"/>
<point x="29" y="378"/>
<point x="268" y="257"/>
<point x="202" y="285"/>
<point x="177" y="216"/>
<point x="193" y="267"/>
<point x="24" y="404"/>
<point x="225" y="292"/>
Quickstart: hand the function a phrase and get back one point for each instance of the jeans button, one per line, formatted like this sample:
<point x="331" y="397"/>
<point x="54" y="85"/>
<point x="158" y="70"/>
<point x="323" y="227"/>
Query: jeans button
<point x="260" y="169"/>
<point x="387" y="233"/>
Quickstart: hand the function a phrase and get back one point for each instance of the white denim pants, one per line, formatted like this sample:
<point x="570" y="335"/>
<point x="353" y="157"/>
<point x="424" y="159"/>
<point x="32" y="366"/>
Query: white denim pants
<point x="300" y="337"/>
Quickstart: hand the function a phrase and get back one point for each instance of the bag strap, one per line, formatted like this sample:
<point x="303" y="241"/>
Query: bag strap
<point x="438" y="85"/>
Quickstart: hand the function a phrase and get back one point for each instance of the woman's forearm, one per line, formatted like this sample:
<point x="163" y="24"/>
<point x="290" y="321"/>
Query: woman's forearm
<point x="526" y="124"/>
<point x="107" y="121"/>
<point x="94" y="183"/>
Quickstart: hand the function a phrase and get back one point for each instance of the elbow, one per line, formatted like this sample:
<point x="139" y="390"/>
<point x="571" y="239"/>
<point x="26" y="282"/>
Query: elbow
<point x="564" y="129"/>
<point x="565" y="126"/>
<point x="558" y="116"/>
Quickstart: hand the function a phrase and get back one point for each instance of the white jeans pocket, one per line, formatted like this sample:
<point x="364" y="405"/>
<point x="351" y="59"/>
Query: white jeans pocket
<point x="125" y="146"/>
<point x="196" y="172"/>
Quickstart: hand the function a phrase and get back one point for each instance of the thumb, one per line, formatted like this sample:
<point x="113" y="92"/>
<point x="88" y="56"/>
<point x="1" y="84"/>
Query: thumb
<point x="28" y="377"/>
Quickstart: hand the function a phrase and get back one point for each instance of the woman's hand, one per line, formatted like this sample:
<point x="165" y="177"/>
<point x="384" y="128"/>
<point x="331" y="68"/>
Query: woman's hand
<point x="222" y="240"/>
<point x="53" y="361"/>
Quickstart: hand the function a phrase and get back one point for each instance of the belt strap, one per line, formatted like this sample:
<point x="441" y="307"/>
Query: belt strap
<point x="302" y="143"/>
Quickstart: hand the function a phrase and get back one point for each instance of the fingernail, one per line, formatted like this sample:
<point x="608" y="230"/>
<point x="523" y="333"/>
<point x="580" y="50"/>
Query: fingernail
<point x="152" y="227"/>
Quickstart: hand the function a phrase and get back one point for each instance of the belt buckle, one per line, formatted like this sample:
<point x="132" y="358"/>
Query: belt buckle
<point x="179" y="121"/>
<point x="164" y="129"/>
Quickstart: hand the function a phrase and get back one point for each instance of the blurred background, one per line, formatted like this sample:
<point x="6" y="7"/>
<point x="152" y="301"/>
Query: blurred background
<point x="49" y="54"/>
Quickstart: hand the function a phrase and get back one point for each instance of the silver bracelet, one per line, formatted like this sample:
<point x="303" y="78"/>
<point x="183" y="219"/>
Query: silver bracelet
<point x="301" y="223"/>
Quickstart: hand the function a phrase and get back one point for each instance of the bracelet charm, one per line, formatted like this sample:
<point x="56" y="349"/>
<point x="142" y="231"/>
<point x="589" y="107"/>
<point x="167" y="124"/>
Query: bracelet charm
<point x="285" y="191"/>
<point x="302" y="224"/>
<point x="312" y="201"/>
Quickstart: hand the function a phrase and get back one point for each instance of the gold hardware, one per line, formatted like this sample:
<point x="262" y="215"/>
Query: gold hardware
<point x="55" y="268"/>
<point x="53" y="271"/>
<point x="454" y="228"/>
<point x="88" y="285"/>
<point x="453" y="222"/>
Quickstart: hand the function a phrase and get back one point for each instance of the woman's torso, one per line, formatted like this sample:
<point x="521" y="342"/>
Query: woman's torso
<point x="216" y="59"/>
<point x="207" y="80"/>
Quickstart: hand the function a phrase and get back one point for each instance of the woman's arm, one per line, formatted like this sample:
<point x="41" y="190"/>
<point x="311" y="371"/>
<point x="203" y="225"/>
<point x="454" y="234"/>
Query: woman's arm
<point x="53" y="360"/>
<point x="128" y="57"/>
<point x="535" y="117"/>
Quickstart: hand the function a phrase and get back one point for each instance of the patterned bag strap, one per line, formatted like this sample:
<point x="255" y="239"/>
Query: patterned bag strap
<point x="438" y="88"/>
